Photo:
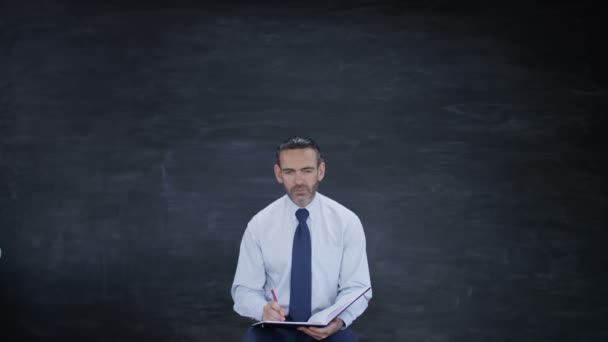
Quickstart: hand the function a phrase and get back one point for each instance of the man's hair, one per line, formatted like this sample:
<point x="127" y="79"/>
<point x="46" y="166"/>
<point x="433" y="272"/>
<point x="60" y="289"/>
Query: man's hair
<point x="295" y="143"/>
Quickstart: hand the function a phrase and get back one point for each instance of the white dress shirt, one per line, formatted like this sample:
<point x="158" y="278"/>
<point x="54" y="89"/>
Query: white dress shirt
<point x="339" y="260"/>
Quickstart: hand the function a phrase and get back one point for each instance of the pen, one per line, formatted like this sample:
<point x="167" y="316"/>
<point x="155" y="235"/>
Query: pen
<point x="274" y="296"/>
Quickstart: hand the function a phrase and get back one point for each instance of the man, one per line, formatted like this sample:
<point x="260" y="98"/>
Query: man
<point x="305" y="248"/>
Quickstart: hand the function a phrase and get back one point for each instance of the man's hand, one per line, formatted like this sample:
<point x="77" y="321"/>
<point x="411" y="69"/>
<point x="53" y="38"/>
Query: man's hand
<point x="273" y="312"/>
<point x="325" y="332"/>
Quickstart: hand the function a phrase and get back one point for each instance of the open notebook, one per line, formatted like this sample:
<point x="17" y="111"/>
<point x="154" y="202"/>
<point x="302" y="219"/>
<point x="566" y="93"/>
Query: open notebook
<point x="321" y="318"/>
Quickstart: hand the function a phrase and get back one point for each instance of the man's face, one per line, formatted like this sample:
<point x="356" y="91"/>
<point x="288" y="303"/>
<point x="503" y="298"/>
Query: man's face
<point x="300" y="174"/>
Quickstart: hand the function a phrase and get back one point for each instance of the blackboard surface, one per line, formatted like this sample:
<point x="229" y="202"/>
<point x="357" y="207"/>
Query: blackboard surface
<point x="137" y="139"/>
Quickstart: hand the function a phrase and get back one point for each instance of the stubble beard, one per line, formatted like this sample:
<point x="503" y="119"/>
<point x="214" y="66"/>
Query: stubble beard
<point x="303" y="200"/>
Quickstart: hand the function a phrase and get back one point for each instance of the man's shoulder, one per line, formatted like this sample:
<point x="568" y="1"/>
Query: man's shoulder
<point x="271" y="209"/>
<point x="336" y="208"/>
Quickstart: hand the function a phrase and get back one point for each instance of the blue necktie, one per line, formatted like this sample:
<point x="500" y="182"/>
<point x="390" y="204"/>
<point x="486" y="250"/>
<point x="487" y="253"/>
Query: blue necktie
<point x="301" y="276"/>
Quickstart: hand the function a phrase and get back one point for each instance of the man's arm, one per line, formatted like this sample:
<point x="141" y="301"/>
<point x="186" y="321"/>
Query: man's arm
<point x="248" y="286"/>
<point x="354" y="273"/>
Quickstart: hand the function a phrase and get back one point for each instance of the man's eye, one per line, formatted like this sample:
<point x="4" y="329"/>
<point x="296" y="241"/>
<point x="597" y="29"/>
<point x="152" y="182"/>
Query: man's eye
<point x="288" y="172"/>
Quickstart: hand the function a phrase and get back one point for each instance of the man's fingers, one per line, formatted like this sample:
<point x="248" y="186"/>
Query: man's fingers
<point x="275" y="306"/>
<point x="313" y="333"/>
<point x="273" y="312"/>
<point x="322" y="333"/>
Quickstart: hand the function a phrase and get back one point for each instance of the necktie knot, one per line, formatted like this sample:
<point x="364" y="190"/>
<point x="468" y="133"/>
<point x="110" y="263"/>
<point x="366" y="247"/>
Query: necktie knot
<point x="302" y="215"/>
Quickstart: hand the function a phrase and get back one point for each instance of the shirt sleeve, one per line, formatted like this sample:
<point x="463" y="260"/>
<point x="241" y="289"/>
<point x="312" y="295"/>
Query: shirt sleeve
<point x="248" y="286"/>
<point x="354" y="273"/>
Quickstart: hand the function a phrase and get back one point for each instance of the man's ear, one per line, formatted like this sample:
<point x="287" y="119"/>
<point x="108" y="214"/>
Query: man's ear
<point x="321" y="171"/>
<point x="277" y="173"/>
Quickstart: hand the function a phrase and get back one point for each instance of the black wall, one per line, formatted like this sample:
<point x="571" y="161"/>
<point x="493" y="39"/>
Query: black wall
<point x="137" y="139"/>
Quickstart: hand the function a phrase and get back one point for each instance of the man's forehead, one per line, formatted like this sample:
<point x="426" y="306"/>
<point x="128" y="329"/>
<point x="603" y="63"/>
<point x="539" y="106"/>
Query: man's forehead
<point x="303" y="157"/>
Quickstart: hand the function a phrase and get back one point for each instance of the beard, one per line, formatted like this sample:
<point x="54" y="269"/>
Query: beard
<point x="303" y="194"/>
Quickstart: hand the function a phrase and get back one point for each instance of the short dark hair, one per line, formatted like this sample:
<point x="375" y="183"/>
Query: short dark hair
<point x="294" y="143"/>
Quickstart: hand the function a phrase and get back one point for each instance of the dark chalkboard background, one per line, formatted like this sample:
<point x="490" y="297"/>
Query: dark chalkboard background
<point x="137" y="139"/>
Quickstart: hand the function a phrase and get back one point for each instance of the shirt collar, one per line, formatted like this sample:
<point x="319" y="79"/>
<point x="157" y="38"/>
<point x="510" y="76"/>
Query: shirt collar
<point x="312" y="207"/>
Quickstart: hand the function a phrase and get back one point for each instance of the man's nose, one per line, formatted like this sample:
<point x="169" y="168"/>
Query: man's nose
<point x="299" y="178"/>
